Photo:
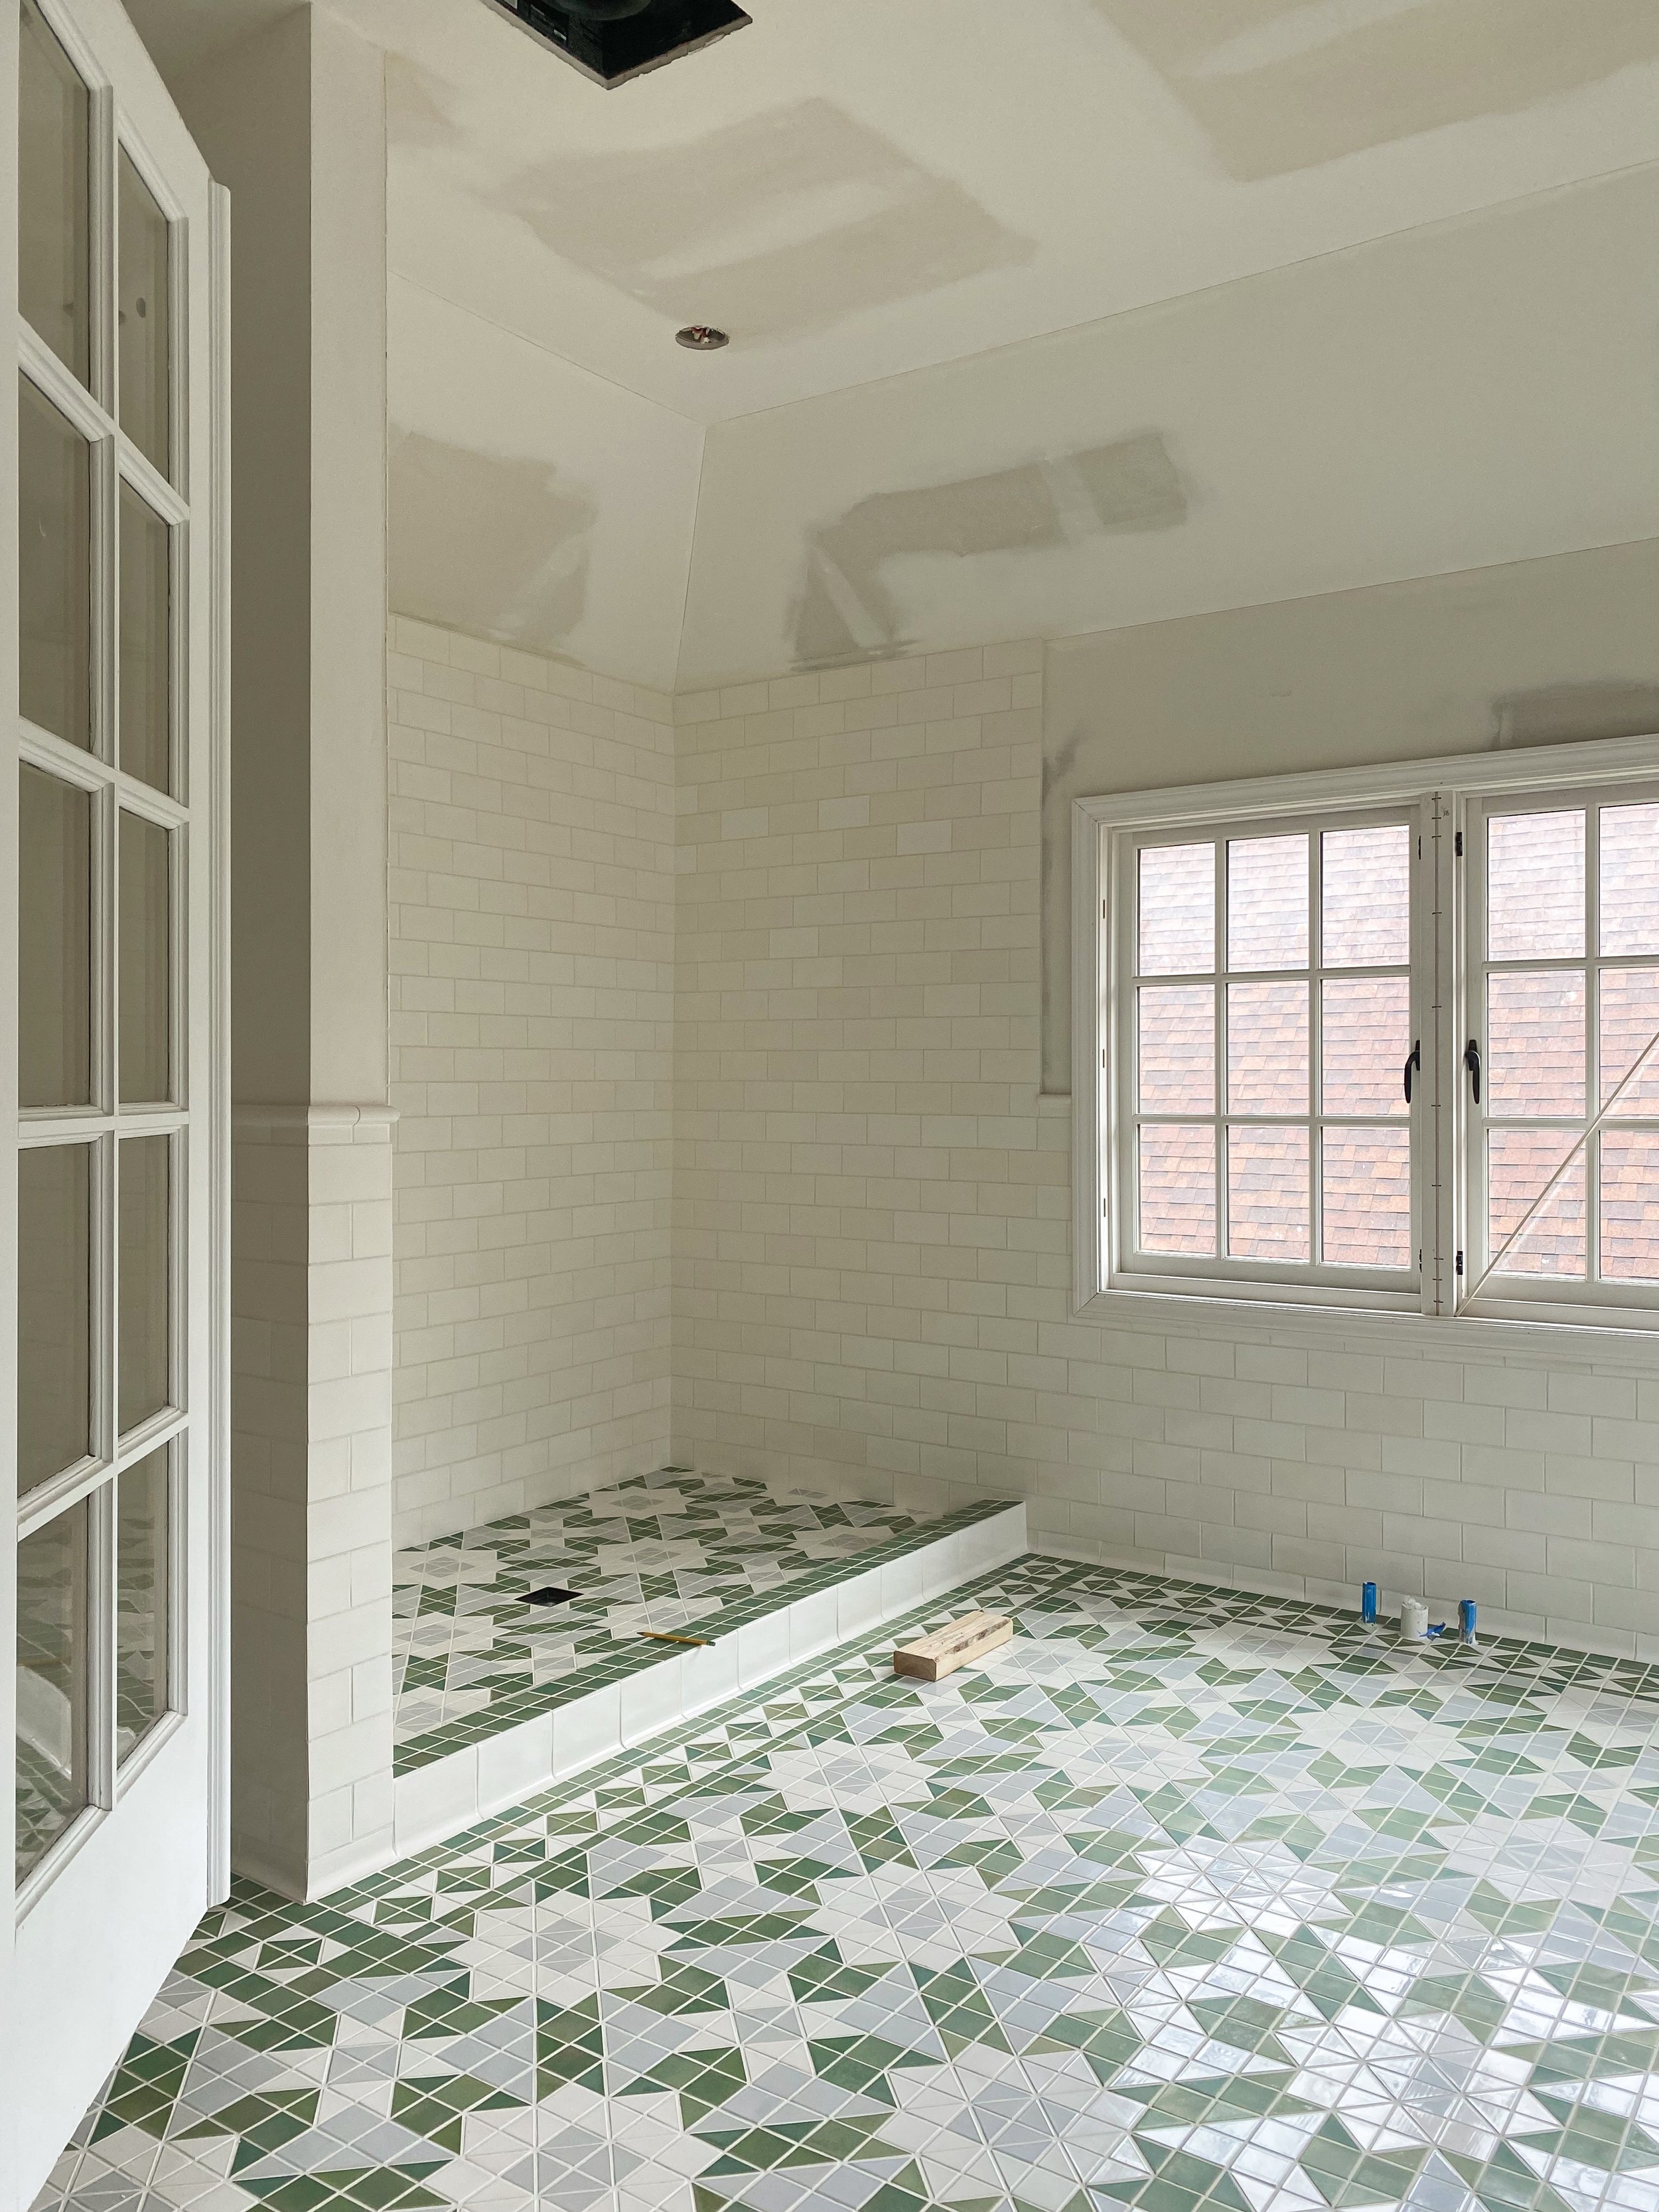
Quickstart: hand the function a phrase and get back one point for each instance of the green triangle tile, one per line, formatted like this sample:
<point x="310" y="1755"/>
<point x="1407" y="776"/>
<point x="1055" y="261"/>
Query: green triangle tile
<point x="1581" y="1811"/>
<point x="1344" y="2174"/>
<point x="958" y="2007"/>
<point x="1603" y="1987"/>
<point x="570" y="2046"/>
<point x="878" y="1841"/>
<point x="1501" y="1915"/>
<point x="146" y="2086"/>
<point x="1109" y="2040"/>
<point x="1471" y="2002"/>
<point x="1051" y="1958"/>
<point x="1216" y="2099"/>
<point x="683" y="1989"/>
<point x="1169" y="1940"/>
<point x="862" y="2063"/>
<point x="823" y="1976"/>
<point x="1505" y="2182"/>
<point x="1562" y="2057"/>
<point x="1589" y="1752"/>
<point x="1320" y="1974"/>
<point x="294" y="2192"/>
<point x="1589" y="2136"/>
<point x="1242" y="2023"/>
<point x="667" y="1887"/>
<point x="1179" y="2181"/>
<point x="1373" y="1922"/>
<point x="703" y="2080"/>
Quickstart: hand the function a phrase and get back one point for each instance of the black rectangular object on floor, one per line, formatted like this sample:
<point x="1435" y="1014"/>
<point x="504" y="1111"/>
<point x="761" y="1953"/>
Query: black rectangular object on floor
<point x="610" y="45"/>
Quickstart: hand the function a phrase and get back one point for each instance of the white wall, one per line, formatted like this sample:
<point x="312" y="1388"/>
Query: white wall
<point x="532" y="502"/>
<point x="1474" y="393"/>
<point x="872" y="1200"/>
<point x="531" y="999"/>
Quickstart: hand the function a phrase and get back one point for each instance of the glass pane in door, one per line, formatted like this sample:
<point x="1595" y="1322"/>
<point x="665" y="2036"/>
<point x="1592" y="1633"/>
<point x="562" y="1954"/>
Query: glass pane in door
<point x="54" y="942"/>
<point x="144" y="985"/>
<point x="54" y="551"/>
<point x="52" y="1682"/>
<point x="54" y="1310"/>
<point x="142" y="1261"/>
<point x="141" y="1600"/>
<point x="145" y="600"/>
<point x="141" y="329"/>
<point x="54" y="115"/>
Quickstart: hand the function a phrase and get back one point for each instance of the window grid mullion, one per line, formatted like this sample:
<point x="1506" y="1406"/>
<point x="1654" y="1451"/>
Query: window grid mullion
<point x="1592" y="1041"/>
<point x="1315" y="1048"/>
<point x="1221" y="953"/>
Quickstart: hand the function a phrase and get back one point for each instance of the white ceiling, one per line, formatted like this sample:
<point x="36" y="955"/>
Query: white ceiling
<point x="1149" y="306"/>
<point x="861" y="187"/>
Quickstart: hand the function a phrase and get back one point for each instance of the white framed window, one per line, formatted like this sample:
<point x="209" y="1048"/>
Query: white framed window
<point x="1381" y="1039"/>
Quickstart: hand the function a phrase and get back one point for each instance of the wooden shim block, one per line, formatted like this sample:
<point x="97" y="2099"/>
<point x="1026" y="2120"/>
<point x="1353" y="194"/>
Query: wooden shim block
<point x="930" y="1658"/>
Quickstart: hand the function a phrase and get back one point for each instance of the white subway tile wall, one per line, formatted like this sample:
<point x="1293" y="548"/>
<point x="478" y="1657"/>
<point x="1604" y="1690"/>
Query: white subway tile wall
<point x="871" y="1209"/>
<point x="312" y="1356"/>
<point x="531" y="903"/>
<point x="870" y="1227"/>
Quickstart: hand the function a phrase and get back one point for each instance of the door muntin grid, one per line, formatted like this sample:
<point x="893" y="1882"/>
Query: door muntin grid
<point x="105" y="1110"/>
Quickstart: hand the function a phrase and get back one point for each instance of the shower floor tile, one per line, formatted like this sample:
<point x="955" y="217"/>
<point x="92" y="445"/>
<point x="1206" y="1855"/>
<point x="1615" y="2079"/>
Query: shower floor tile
<point x="674" y="1553"/>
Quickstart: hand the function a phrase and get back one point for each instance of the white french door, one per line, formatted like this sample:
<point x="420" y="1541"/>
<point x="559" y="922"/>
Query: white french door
<point x="111" y="1710"/>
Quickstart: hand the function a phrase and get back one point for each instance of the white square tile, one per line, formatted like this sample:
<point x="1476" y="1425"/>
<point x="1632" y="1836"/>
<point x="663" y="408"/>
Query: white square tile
<point x="858" y="1605"/>
<point x="709" y="1676"/>
<point x="586" y="1730"/>
<point x="762" y="1648"/>
<point x="436" y="1800"/>
<point x="651" y="1701"/>
<point x="516" y="1762"/>
<point x="814" y="1624"/>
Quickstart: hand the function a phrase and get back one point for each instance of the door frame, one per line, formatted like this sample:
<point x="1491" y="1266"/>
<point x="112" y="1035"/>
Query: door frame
<point x="52" y="2076"/>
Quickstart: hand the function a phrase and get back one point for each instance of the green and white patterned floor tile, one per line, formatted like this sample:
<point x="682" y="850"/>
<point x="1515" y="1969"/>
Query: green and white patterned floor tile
<point x="665" y="1553"/>
<point x="1182" y="1901"/>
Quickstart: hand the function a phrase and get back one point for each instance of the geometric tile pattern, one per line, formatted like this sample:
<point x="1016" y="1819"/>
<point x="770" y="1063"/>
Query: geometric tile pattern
<point x="1182" y="1900"/>
<point x="668" y="1552"/>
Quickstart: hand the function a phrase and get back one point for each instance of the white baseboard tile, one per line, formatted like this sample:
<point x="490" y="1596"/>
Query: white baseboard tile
<point x="1494" y="1621"/>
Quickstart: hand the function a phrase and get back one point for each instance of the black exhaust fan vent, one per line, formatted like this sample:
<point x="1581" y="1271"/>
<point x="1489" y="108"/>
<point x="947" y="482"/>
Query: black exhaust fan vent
<point x="611" y="41"/>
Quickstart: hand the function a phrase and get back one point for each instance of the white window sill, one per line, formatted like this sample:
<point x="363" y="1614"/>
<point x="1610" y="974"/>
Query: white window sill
<point x="1495" y="1340"/>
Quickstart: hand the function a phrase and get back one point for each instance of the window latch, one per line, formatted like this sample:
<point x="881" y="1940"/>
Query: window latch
<point x="1472" y="1061"/>
<point x="1413" y="1060"/>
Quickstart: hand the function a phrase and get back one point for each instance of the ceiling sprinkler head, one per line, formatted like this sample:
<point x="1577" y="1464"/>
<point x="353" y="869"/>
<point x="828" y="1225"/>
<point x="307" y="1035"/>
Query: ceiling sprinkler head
<point x="701" y="337"/>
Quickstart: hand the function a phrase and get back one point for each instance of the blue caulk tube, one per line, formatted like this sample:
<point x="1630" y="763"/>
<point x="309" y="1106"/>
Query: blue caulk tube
<point x="1466" y="1620"/>
<point x="1367" y="1604"/>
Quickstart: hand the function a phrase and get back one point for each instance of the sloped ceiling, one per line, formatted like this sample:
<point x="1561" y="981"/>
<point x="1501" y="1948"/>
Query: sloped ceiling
<point x="1045" y="317"/>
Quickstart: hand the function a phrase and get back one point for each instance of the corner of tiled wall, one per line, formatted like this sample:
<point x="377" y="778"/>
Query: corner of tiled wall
<point x="867" y="1224"/>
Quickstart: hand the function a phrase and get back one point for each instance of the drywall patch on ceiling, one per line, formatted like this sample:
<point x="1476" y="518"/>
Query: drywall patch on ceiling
<point x="496" y="546"/>
<point x="845" y="608"/>
<point x="420" y="108"/>
<point x="1280" y="86"/>
<point x="786" y="222"/>
<point x="1573" y="713"/>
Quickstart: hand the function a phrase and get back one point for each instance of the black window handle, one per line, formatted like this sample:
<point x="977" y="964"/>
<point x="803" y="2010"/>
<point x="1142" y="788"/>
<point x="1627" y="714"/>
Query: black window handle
<point x="1413" y="1060"/>
<point x="1472" y="1061"/>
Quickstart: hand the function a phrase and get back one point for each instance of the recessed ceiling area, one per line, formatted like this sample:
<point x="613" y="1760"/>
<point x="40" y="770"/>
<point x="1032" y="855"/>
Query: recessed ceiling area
<point x="1092" y="313"/>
